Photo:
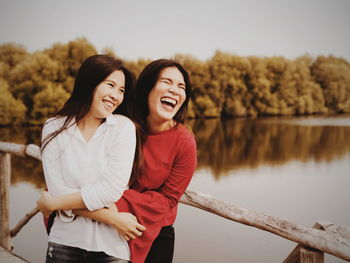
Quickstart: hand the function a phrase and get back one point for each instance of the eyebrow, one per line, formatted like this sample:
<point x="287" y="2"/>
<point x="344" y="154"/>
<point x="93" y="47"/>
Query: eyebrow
<point x="109" y="80"/>
<point x="115" y="84"/>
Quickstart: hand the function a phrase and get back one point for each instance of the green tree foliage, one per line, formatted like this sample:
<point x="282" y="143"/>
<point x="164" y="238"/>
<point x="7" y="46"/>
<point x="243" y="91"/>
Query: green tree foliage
<point x="12" y="111"/>
<point x="47" y="102"/>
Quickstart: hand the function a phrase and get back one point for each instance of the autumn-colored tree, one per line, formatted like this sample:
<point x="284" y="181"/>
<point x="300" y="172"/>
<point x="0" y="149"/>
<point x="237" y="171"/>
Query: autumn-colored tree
<point x="12" y="54"/>
<point x="34" y="74"/>
<point x="333" y="74"/>
<point x="225" y="85"/>
<point x="12" y="111"/>
<point x="201" y="104"/>
<point x="299" y="91"/>
<point x="69" y="58"/>
<point x="47" y="102"/>
<point x="137" y="66"/>
<point x="228" y="74"/>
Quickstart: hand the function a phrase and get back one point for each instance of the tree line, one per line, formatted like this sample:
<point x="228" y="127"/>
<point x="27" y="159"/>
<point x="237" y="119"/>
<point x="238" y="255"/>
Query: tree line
<point x="35" y="85"/>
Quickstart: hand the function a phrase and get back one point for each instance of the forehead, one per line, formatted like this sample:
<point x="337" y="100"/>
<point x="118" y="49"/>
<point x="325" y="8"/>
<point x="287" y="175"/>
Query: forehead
<point x="172" y="73"/>
<point x="117" y="76"/>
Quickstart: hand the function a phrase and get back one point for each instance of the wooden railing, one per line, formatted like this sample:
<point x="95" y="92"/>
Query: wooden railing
<point x="312" y="241"/>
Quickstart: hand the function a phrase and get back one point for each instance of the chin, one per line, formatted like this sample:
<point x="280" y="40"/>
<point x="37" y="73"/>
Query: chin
<point x="167" y="117"/>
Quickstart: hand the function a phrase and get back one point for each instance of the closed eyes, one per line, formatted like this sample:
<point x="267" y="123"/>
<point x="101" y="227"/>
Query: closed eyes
<point x="169" y="82"/>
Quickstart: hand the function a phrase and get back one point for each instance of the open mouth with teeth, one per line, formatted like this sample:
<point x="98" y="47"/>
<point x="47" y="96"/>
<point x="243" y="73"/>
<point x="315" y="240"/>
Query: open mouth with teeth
<point x="108" y="104"/>
<point x="169" y="102"/>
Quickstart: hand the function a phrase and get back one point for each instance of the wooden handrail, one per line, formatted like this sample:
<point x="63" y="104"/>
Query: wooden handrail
<point x="21" y="150"/>
<point x="330" y="238"/>
<point x="333" y="240"/>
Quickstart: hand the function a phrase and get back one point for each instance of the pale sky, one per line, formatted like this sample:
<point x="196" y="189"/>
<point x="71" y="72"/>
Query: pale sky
<point x="154" y="28"/>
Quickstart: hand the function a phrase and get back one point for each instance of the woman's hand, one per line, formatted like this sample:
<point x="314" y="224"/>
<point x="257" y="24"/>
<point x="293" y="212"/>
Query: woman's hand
<point x="127" y="226"/>
<point x="45" y="204"/>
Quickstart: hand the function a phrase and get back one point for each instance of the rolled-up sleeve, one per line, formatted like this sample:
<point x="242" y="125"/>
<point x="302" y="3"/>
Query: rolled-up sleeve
<point x="52" y="167"/>
<point x="116" y="175"/>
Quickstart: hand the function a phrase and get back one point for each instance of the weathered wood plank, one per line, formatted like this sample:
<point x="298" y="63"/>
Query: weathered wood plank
<point x="8" y="257"/>
<point x="329" y="242"/>
<point x="21" y="150"/>
<point x="23" y="222"/>
<point x="296" y="255"/>
<point x="33" y="151"/>
<point x="13" y="148"/>
<point x="5" y="181"/>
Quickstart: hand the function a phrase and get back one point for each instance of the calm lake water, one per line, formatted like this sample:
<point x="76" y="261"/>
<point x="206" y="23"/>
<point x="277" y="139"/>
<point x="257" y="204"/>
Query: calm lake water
<point x="293" y="168"/>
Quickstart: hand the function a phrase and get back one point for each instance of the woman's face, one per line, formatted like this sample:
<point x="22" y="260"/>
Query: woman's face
<point x="167" y="95"/>
<point x="108" y="95"/>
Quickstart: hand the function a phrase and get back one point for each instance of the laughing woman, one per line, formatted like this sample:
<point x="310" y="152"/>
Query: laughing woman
<point x="87" y="153"/>
<point x="159" y="108"/>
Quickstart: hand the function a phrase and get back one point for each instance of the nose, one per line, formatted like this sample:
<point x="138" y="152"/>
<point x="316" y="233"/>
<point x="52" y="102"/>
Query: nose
<point x="113" y="96"/>
<point x="174" y="89"/>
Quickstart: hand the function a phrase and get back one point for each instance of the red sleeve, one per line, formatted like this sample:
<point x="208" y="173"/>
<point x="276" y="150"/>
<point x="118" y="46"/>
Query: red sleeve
<point x="151" y="207"/>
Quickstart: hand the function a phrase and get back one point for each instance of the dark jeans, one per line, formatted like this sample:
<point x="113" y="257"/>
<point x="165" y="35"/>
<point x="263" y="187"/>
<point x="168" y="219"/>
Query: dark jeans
<point x="61" y="253"/>
<point x="162" y="250"/>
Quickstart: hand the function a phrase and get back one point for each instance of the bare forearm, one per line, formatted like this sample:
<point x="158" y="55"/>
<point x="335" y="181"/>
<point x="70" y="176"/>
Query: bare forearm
<point x="103" y="215"/>
<point x="67" y="202"/>
<point x="125" y="223"/>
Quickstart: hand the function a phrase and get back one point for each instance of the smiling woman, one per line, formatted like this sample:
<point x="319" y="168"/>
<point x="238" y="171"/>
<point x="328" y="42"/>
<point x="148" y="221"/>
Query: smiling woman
<point x="110" y="92"/>
<point x="87" y="155"/>
<point x="166" y="98"/>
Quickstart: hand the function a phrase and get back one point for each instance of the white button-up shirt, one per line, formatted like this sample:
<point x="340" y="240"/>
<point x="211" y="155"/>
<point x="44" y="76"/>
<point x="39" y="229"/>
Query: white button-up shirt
<point x="100" y="169"/>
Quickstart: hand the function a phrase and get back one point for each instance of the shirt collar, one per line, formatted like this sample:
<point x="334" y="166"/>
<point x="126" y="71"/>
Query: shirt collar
<point x="111" y="120"/>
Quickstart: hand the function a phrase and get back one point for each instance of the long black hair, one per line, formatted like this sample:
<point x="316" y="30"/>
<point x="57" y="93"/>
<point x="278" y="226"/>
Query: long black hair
<point x="91" y="73"/>
<point x="139" y="109"/>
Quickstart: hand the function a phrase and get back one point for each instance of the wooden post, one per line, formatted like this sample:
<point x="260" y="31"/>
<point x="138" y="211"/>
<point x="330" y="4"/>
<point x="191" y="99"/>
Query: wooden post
<point x="303" y="254"/>
<point x="5" y="182"/>
<point x="310" y="255"/>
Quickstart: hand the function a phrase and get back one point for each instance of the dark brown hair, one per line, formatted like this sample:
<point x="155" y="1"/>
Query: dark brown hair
<point x="148" y="77"/>
<point x="91" y="73"/>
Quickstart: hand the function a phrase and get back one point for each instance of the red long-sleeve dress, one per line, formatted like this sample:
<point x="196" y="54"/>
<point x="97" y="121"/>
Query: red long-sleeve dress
<point x="169" y="162"/>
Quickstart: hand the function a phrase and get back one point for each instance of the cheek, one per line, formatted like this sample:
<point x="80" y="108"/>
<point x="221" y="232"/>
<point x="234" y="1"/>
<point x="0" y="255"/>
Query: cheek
<point x="121" y="98"/>
<point x="152" y="100"/>
<point x="183" y="97"/>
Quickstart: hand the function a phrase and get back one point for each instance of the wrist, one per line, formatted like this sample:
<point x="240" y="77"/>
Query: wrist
<point x="114" y="219"/>
<point x="55" y="204"/>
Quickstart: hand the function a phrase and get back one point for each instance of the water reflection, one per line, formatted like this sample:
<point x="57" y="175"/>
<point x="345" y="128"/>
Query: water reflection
<point x="223" y="146"/>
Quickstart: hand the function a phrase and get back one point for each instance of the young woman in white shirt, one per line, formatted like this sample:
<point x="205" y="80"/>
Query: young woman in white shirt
<point x="87" y="153"/>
